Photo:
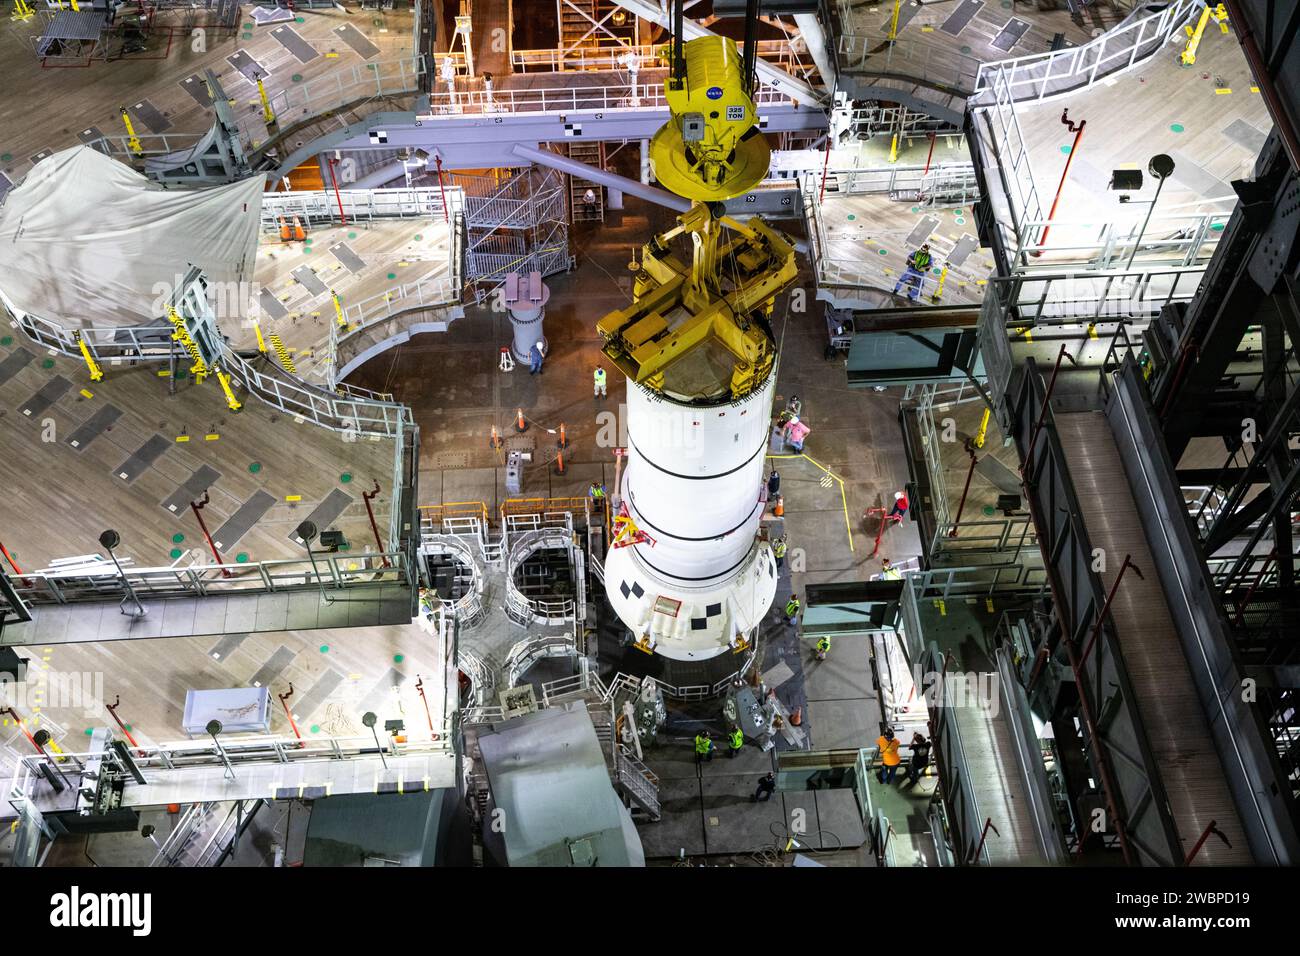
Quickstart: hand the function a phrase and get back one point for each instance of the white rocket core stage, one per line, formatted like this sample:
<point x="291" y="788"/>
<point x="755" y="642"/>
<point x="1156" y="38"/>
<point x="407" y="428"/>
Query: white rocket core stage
<point x="694" y="485"/>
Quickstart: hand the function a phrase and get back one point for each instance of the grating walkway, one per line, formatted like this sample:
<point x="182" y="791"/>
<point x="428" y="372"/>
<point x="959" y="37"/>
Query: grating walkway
<point x="1175" y="724"/>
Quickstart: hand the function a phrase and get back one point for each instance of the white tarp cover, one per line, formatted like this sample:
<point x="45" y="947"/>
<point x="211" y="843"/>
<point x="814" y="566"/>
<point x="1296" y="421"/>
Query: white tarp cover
<point x="87" y="241"/>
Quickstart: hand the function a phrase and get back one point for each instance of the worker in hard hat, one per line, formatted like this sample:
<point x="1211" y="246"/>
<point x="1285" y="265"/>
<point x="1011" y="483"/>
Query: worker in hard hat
<point x="703" y="747"/>
<point x="536" y="355"/>
<point x="900" y="506"/>
<point x="596" y="491"/>
<point x="888" y="745"/>
<point x="778" y="551"/>
<point x="888" y="571"/>
<point x="823" y="648"/>
<point x="737" y="740"/>
<point x="792" y="609"/>
<point x="795" y="433"/>
<point x="918" y="263"/>
<point x="598" y="377"/>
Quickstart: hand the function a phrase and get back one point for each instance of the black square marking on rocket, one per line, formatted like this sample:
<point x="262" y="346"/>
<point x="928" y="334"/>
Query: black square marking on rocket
<point x="762" y="122"/>
<point x="713" y="610"/>
<point x="378" y="137"/>
<point x="699" y="623"/>
<point x="625" y="589"/>
<point x="638" y="590"/>
<point x="572" y="129"/>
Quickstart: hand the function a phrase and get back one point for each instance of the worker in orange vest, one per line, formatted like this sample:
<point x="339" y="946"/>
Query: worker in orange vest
<point x="888" y="745"/>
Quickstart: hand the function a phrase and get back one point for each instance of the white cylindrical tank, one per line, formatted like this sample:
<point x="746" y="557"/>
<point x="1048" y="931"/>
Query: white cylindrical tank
<point x="701" y="579"/>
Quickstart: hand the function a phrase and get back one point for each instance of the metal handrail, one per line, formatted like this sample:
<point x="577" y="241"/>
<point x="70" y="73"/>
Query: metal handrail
<point x="562" y="99"/>
<point x="1179" y="240"/>
<point x="1041" y="76"/>
<point x="301" y="101"/>
<point x="281" y="575"/>
<point x="316" y="206"/>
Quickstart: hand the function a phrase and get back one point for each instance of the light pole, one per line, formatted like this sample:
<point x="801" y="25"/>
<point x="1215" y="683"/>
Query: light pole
<point x="306" y="533"/>
<point x="369" y="719"/>
<point x="1160" y="167"/>
<point x="213" y="728"/>
<point x="109" y="540"/>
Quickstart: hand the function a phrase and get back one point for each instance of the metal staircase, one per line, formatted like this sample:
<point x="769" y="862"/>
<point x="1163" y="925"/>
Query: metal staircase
<point x="586" y="199"/>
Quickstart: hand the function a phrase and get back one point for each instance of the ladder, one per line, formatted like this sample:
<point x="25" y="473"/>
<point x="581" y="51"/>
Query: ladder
<point x="586" y="199"/>
<point x="577" y="31"/>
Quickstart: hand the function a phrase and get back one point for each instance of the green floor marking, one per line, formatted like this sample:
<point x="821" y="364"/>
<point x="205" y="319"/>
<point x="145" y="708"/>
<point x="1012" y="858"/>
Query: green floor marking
<point x="352" y="235"/>
<point x="241" y="558"/>
<point x="248" y="26"/>
<point x="309" y="241"/>
<point x="306" y="250"/>
<point x="315" y="728"/>
<point x="176" y="553"/>
<point x="852" y="217"/>
<point x="1065" y="150"/>
<point x="324" y="648"/>
<point x="299" y="19"/>
<point x="297" y="77"/>
<point x="1177" y="127"/>
<point x="90" y="731"/>
<point x="884" y="252"/>
<point x="248" y="36"/>
<point x="392" y="275"/>
<point x="398" y="658"/>
<point x="989" y="509"/>
<point x="345" y="477"/>
<point x="255" y="467"/>
<point x="960" y="222"/>
<point x="1216" y="227"/>
<point x="177" y="538"/>
<point x="916" y="209"/>
<point x="48" y="363"/>
<point x="965" y="49"/>
<point x="7" y="340"/>
<point x="418" y="237"/>
<point x="6" y="157"/>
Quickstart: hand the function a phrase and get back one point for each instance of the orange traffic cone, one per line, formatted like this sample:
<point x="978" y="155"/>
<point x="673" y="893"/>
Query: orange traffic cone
<point x="298" y="232"/>
<point x="779" y="508"/>
<point x="796" y="716"/>
<point x="285" y="234"/>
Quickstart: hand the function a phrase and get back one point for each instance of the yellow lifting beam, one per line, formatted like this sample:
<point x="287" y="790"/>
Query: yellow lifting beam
<point x="132" y="140"/>
<point x="22" y="11"/>
<point x="268" y="115"/>
<point x="1219" y="14"/>
<point x="983" y="429"/>
<point x="180" y="334"/>
<point x="96" y="373"/>
<point x="231" y="401"/>
<point x="338" y="310"/>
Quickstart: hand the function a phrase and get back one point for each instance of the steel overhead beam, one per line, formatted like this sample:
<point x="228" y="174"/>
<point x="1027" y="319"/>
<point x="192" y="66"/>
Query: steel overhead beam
<point x="796" y="89"/>
<point x="602" y="177"/>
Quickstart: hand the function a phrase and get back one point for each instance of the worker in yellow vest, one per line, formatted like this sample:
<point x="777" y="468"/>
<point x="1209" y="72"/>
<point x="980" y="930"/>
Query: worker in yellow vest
<point x="888" y="745"/>
<point x="737" y="740"/>
<point x="823" y="648"/>
<point x="599" y="379"/>
<point x="703" y="747"/>
<point x="778" y="551"/>
<point x="792" y="609"/>
<point x="888" y="571"/>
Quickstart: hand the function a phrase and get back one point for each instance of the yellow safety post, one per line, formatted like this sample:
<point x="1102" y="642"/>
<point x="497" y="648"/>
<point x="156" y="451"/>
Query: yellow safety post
<point x="893" y="149"/>
<point x="338" y="310"/>
<point x="261" y="342"/>
<point x="938" y="290"/>
<point x="231" y="401"/>
<point x="983" y="429"/>
<point x="96" y="373"/>
<point x="1220" y="16"/>
<point x="75" y="8"/>
<point x="22" y="11"/>
<point x="893" y="22"/>
<point x="267" y="113"/>
<point x="132" y="140"/>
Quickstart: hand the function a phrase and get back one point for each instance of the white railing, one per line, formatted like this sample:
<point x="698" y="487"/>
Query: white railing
<point x="1044" y="75"/>
<point x="1010" y="153"/>
<point x="577" y="97"/>
<point x="778" y="52"/>
<point x="322" y="206"/>
<point x="341" y="87"/>
<point x="240" y="750"/>
<point x="1026" y="300"/>
<point x="1185" y="240"/>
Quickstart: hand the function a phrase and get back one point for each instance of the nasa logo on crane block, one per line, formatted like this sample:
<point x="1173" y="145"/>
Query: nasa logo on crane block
<point x="714" y="92"/>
